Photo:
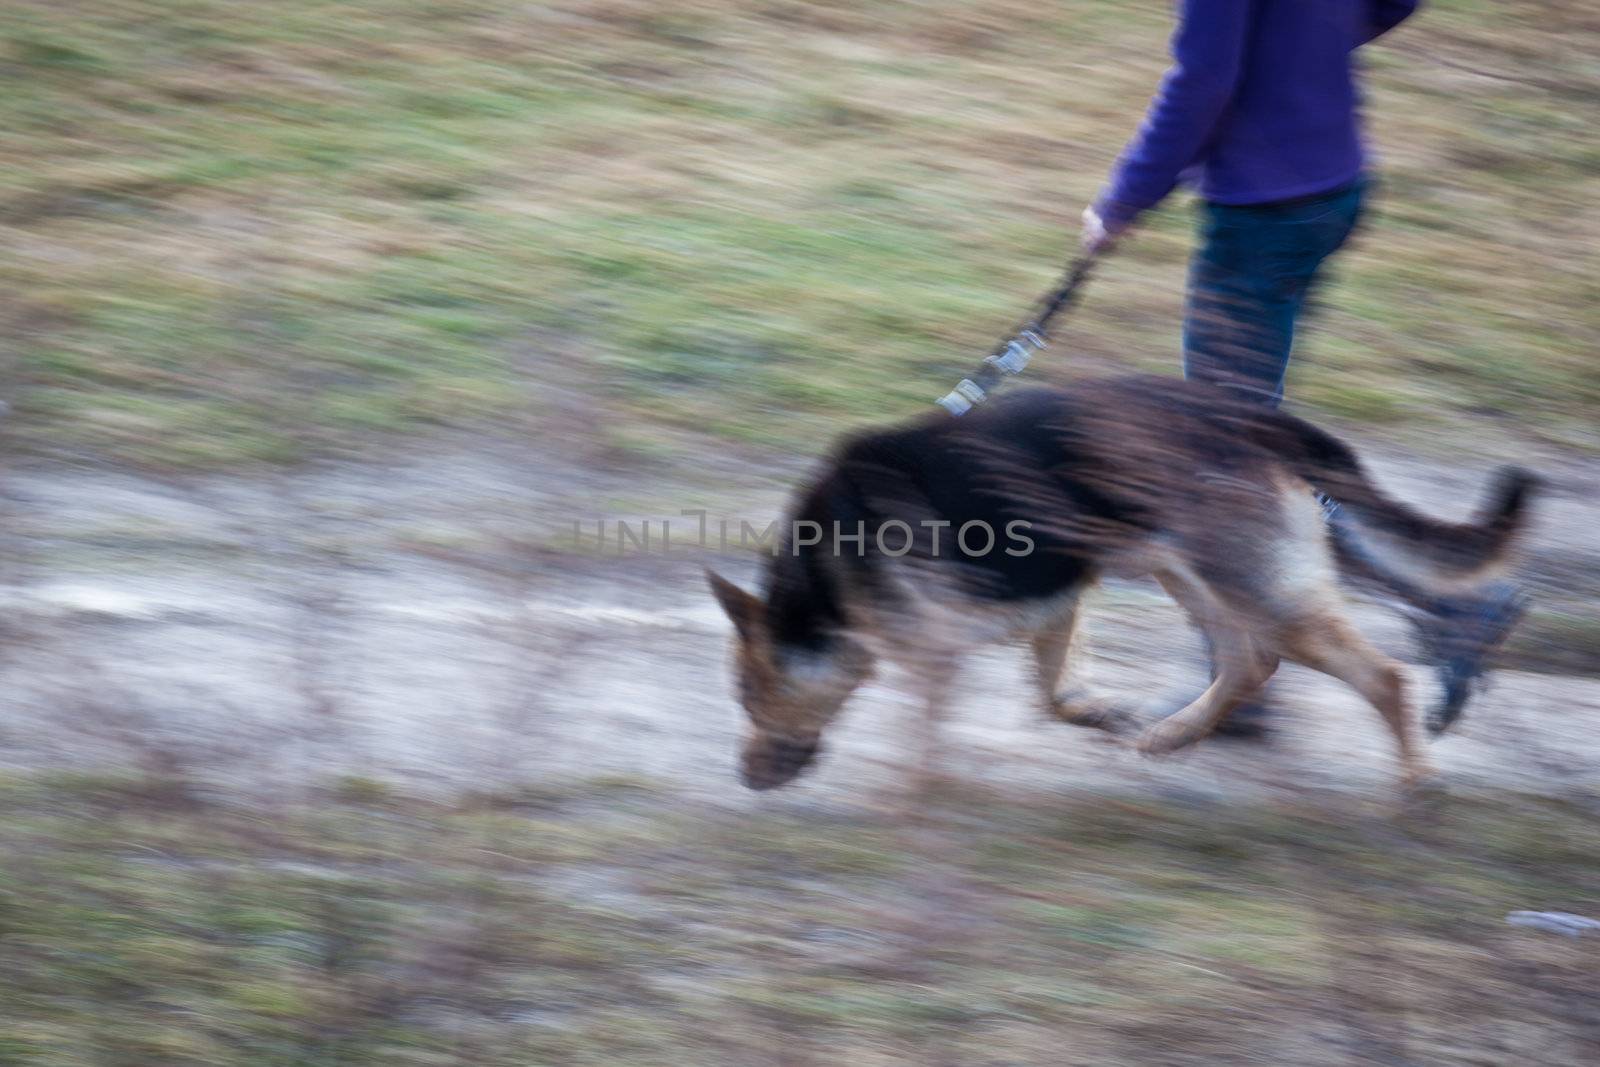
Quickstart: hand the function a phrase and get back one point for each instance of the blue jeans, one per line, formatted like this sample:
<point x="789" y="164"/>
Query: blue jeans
<point x="1248" y="281"/>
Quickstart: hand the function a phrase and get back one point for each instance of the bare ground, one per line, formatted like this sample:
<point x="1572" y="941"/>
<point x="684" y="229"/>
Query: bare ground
<point x="429" y="621"/>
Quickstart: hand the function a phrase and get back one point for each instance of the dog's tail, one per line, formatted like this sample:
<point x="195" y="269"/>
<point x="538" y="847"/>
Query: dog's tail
<point x="1392" y="541"/>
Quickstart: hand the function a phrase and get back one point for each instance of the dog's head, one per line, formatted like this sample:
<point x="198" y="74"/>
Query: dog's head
<point x="790" y="695"/>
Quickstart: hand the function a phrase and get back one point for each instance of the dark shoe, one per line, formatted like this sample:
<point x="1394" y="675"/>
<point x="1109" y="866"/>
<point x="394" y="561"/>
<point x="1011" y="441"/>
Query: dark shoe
<point x="1458" y="636"/>
<point x="1250" y="721"/>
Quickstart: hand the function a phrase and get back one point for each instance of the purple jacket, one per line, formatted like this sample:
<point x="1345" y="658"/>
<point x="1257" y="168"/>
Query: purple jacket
<point x="1258" y="105"/>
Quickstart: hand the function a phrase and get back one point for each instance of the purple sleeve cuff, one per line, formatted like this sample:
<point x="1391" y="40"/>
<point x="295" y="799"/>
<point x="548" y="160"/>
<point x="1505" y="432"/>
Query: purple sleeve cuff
<point x="1117" y="215"/>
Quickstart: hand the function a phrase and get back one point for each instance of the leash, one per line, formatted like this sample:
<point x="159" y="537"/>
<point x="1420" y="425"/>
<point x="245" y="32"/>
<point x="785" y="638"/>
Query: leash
<point x="1014" y="353"/>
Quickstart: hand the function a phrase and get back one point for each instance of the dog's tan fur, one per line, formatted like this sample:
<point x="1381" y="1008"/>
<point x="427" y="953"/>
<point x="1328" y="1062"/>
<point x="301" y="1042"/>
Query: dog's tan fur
<point x="1227" y="524"/>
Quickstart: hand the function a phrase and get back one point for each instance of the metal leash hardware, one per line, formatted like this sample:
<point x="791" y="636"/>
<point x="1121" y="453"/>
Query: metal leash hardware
<point x="1013" y="354"/>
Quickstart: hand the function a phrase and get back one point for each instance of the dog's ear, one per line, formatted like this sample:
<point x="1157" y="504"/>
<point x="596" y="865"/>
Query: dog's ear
<point x="742" y="608"/>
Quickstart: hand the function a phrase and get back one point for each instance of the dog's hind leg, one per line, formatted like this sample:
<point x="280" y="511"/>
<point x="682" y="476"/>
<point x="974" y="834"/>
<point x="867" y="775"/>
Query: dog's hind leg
<point x="1054" y="650"/>
<point x="1242" y="668"/>
<point x="1326" y="641"/>
<point x="1242" y="663"/>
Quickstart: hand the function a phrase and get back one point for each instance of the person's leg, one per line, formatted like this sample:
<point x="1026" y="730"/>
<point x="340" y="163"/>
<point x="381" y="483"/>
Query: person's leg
<point x="1248" y="281"/>
<point x="1238" y="325"/>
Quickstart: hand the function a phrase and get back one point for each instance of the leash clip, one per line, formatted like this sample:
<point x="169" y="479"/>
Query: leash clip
<point x="1015" y="359"/>
<point x="1017" y="352"/>
<point x="963" y="397"/>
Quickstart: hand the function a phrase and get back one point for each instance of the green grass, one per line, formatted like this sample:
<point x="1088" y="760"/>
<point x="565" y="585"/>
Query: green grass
<point x="246" y="232"/>
<point x="609" y="923"/>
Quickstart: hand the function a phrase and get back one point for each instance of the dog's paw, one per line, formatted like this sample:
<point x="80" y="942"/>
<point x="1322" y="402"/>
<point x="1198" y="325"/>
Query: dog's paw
<point x="1166" y="736"/>
<point x="1079" y="708"/>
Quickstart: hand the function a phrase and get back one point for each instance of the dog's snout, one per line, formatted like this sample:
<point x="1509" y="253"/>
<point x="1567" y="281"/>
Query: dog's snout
<point x="771" y="761"/>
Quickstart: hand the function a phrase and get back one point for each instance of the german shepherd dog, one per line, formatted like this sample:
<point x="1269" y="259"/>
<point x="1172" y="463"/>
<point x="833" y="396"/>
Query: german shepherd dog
<point x="920" y="543"/>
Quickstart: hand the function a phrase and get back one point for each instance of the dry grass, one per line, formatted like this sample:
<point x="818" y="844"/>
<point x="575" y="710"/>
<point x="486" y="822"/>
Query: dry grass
<point x="606" y="923"/>
<point x="228" y="225"/>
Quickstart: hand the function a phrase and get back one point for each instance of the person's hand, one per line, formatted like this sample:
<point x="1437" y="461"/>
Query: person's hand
<point x="1097" y="235"/>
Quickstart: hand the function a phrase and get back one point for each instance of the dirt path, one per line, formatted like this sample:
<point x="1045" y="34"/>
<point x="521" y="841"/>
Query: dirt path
<point x="428" y="623"/>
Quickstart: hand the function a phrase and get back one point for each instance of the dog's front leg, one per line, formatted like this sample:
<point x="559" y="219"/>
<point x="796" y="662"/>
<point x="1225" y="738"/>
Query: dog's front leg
<point x="1054" y="646"/>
